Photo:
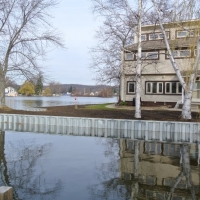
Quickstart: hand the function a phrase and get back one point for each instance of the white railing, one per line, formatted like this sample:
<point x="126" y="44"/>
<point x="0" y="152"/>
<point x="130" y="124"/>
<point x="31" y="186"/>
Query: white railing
<point x="162" y="131"/>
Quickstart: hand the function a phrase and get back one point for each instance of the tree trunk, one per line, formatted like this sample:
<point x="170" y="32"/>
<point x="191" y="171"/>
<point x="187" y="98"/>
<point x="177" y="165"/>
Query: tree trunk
<point x="186" y="109"/>
<point x="136" y="158"/>
<point x="2" y="92"/>
<point x="138" y="68"/>
<point x="2" y="141"/>
<point x="187" y="170"/>
<point x="119" y="96"/>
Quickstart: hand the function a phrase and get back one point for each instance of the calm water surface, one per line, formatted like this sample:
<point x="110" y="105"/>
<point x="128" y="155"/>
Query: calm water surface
<point x="47" y="166"/>
<point x="21" y="102"/>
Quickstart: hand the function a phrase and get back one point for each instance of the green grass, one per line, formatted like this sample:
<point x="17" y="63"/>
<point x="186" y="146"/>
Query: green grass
<point x="98" y="107"/>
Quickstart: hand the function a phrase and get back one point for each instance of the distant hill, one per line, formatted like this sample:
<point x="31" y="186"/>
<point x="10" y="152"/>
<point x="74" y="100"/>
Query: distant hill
<point x="84" y="88"/>
<point x="96" y="90"/>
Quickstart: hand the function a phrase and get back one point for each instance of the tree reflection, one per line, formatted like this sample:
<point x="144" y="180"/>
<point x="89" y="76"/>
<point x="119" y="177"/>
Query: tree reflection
<point x="18" y="170"/>
<point x="110" y="186"/>
<point x="140" y="165"/>
<point x="185" y="171"/>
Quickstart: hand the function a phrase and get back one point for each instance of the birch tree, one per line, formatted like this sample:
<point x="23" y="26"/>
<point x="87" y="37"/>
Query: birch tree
<point x="139" y="64"/>
<point x="189" y="85"/>
<point x="26" y="34"/>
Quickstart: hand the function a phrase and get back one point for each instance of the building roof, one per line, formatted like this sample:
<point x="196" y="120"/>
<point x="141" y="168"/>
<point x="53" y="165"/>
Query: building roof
<point x="175" y="24"/>
<point x="159" y="44"/>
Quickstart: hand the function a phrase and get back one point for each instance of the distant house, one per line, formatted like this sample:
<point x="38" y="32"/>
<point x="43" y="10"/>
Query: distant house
<point x="159" y="82"/>
<point x="10" y="92"/>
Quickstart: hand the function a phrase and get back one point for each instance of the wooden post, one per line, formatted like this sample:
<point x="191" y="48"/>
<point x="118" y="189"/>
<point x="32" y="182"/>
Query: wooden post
<point x="199" y="110"/>
<point x="75" y="103"/>
<point x="6" y="193"/>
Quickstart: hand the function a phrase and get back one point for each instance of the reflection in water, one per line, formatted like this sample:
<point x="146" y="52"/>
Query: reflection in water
<point x="22" y="102"/>
<point x="124" y="169"/>
<point x="150" y="170"/>
<point x="17" y="170"/>
<point x="160" y="173"/>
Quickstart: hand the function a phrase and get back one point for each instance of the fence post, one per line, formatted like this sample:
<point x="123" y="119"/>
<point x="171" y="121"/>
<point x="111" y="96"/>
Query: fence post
<point x="6" y="193"/>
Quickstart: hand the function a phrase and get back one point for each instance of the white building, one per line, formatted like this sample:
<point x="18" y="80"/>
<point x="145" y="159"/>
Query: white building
<point x="11" y="92"/>
<point x="159" y="82"/>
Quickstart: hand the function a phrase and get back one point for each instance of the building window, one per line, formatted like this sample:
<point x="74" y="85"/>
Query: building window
<point x="129" y="56"/>
<point x="173" y="88"/>
<point x="148" y="89"/>
<point x="157" y="87"/>
<point x="153" y="36"/>
<point x="181" y="34"/>
<point x="180" y="53"/>
<point x="143" y="55"/>
<point x="131" y="87"/>
<point x="150" y="55"/>
<point x="154" y="87"/>
<point x="158" y="36"/>
<point x="185" y="53"/>
<point x="175" y="53"/>
<point x="179" y="88"/>
<point x="143" y="37"/>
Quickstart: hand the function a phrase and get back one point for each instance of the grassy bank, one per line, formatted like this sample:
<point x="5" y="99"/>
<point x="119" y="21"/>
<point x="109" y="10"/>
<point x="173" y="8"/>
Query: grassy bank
<point x="98" y="107"/>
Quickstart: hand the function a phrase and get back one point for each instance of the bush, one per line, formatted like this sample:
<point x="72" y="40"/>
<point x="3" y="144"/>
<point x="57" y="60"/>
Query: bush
<point x="123" y="103"/>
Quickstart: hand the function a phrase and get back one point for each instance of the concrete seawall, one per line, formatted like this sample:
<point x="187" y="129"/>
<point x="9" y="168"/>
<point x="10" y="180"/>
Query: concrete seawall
<point x="115" y="128"/>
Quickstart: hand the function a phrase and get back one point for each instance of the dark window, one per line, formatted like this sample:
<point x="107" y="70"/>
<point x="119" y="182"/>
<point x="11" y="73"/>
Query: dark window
<point x="148" y="87"/>
<point x="131" y="87"/>
<point x="179" y="88"/>
<point x="154" y="87"/>
<point x="160" y="87"/>
<point x="174" y="87"/>
<point x="168" y="87"/>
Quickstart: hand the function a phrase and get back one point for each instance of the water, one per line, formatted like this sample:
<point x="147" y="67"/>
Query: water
<point x="49" y="166"/>
<point x="22" y="102"/>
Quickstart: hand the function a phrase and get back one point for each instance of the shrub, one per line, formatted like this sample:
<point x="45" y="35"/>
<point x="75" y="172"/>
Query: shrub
<point x="123" y="103"/>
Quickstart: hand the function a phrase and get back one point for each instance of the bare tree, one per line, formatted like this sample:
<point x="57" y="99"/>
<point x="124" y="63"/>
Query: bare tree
<point x="187" y="85"/>
<point x="26" y="34"/>
<point x="55" y="87"/>
<point x="115" y="33"/>
<point x="11" y="83"/>
<point x="18" y="169"/>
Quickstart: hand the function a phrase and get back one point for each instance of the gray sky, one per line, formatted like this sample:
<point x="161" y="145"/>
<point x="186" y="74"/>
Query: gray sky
<point x="74" y="19"/>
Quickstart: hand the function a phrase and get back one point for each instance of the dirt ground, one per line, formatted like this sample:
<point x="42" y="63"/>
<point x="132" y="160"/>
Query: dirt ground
<point x="155" y="114"/>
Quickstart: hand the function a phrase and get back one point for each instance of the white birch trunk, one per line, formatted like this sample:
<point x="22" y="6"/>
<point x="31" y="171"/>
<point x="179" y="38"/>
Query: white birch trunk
<point x="138" y="67"/>
<point x="186" y="109"/>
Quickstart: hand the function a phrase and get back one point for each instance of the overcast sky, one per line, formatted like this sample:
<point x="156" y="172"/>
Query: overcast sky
<point x="75" y="20"/>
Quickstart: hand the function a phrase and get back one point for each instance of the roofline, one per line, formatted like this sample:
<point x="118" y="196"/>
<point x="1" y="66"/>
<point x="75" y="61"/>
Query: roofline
<point x="175" y="22"/>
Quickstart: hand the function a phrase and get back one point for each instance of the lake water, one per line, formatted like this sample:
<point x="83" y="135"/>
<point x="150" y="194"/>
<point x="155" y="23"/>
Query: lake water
<point x="21" y="102"/>
<point x="60" y="167"/>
